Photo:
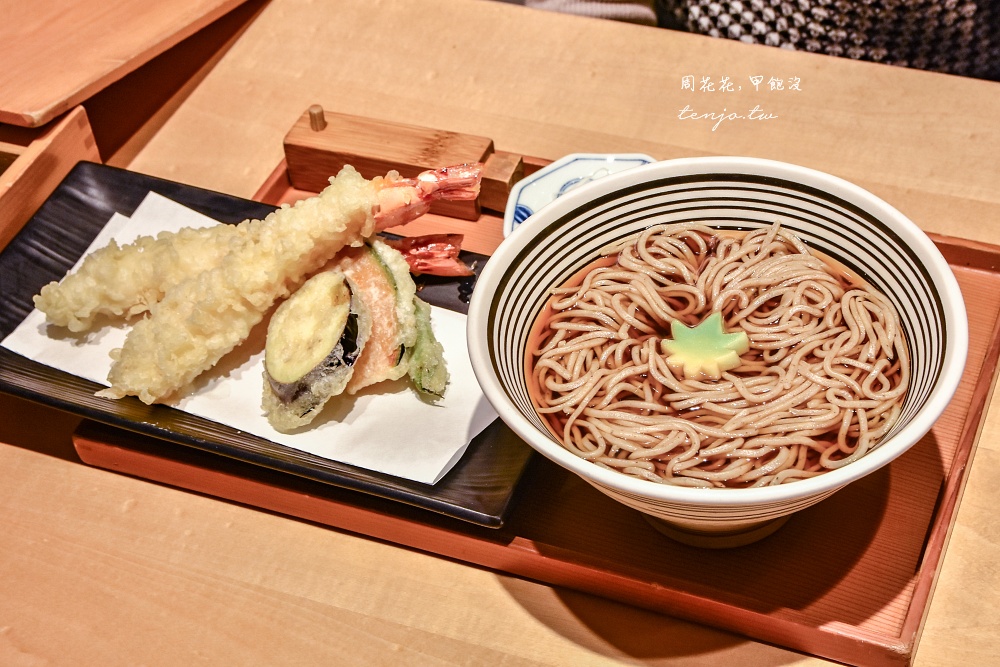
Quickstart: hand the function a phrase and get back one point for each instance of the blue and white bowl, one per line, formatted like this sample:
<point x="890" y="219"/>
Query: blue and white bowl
<point x="833" y="216"/>
<point x="532" y="193"/>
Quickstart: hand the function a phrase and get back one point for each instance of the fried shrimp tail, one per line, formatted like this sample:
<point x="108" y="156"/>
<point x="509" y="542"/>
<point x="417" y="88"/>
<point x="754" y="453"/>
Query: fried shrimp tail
<point x="404" y="199"/>
<point x="204" y="317"/>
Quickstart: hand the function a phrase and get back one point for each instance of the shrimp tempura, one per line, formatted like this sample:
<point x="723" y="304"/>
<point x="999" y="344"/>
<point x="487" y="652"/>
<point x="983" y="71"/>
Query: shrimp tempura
<point x="204" y="317"/>
<point x="125" y="280"/>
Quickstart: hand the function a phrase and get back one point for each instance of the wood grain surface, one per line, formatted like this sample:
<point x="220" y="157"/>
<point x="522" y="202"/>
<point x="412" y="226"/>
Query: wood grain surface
<point x="57" y="54"/>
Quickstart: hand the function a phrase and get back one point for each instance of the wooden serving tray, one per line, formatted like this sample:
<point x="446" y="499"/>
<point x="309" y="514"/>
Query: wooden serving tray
<point x="849" y="579"/>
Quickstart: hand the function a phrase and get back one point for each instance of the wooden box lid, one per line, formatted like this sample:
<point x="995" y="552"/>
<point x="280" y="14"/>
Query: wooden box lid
<point x="57" y="54"/>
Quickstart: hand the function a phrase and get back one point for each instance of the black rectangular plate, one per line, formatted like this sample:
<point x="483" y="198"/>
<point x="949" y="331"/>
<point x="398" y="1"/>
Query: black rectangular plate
<point x="478" y="489"/>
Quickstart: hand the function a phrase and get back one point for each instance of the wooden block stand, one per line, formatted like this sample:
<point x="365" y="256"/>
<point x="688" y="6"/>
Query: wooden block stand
<point x="322" y="142"/>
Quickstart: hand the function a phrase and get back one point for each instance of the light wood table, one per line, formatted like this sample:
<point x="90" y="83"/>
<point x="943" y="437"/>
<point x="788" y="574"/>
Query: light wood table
<point x="100" y="568"/>
<point x="59" y="54"/>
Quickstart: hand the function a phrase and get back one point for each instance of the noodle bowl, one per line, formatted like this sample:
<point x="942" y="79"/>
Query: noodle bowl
<point x="822" y="380"/>
<point x="828" y="380"/>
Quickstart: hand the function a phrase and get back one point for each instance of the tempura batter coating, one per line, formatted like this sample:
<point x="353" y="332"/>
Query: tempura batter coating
<point x="202" y="318"/>
<point x="126" y="280"/>
<point x="205" y="316"/>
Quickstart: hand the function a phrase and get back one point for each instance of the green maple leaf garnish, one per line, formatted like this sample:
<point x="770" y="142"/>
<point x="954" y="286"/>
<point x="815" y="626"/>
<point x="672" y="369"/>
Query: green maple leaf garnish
<point x="705" y="350"/>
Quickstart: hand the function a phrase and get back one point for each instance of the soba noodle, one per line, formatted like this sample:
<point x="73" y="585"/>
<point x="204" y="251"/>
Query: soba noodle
<point x="822" y="381"/>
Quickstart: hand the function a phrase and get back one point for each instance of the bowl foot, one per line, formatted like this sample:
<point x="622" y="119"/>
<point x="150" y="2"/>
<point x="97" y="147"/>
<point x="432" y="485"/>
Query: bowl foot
<point x="722" y="539"/>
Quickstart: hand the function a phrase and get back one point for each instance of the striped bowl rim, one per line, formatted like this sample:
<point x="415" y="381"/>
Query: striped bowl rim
<point x="584" y="216"/>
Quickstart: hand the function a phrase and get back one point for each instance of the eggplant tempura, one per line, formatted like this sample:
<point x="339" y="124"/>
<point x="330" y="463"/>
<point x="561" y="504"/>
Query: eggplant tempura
<point x="355" y="324"/>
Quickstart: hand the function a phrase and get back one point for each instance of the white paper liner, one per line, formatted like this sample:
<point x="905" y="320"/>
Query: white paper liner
<point x="387" y="428"/>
